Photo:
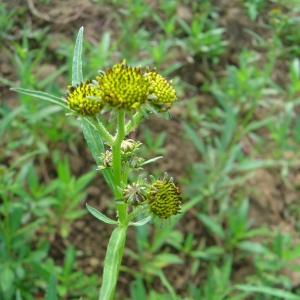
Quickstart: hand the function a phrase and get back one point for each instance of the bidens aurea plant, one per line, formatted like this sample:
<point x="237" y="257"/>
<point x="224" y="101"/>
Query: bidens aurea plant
<point x="131" y="92"/>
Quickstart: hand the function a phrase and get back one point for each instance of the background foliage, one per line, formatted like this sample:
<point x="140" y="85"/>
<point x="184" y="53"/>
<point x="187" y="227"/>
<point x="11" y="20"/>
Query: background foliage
<point x="233" y="141"/>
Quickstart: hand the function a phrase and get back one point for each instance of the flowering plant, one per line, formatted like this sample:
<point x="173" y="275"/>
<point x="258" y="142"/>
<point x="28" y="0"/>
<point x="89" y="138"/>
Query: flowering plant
<point x="130" y="92"/>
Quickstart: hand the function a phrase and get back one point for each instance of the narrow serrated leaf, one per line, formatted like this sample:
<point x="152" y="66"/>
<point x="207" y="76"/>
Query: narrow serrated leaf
<point x="77" y="77"/>
<point x="111" y="267"/>
<point x="95" y="143"/>
<point x="141" y="222"/>
<point x="42" y="95"/>
<point x="101" y="216"/>
<point x="6" y="121"/>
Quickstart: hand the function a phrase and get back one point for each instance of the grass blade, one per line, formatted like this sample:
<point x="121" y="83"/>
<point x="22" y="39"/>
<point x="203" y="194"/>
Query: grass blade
<point x="268" y="291"/>
<point x="51" y="293"/>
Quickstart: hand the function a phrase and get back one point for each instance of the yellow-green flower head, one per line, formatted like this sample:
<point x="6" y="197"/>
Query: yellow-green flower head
<point x="164" y="199"/>
<point x="123" y="87"/>
<point x="78" y="99"/>
<point x="162" y="91"/>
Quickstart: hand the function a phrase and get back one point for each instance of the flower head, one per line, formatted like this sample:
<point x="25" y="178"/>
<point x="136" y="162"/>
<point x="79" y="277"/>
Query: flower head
<point x="164" y="198"/>
<point x="79" y="101"/>
<point x="123" y="87"/>
<point x="135" y="194"/>
<point x="106" y="159"/>
<point x="162" y="93"/>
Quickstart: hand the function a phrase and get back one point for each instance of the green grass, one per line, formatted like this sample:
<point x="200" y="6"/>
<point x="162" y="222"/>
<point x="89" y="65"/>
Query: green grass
<point x="250" y="123"/>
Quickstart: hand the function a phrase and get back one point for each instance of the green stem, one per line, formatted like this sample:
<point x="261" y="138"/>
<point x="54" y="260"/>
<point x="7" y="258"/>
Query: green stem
<point x="133" y="124"/>
<point x="97" y="125"/>
<point x="117" y="167"/>
<point x="116" y="244"/>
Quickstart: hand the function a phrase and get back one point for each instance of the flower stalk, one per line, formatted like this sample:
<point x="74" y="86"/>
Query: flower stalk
<point x="123" y="91"/>
<point x="117" y="167"/>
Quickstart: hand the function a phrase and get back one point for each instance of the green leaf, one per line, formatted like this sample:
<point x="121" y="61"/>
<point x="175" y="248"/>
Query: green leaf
<point x="253" y="164"/>
<point x="164" y="259"/>
<point x="44" y="112"/>
<point x="7" y="277"/>
<point x="253" y="247"/>
<point x="137" y="288"/>
<point x="295" y="252"/>
<point x="42" y="95"/>
<point x="77" y="77"/>
<point x="6" y="121"/>
<point x="75" y="214"/>
<point x="101" y="216"/>
<point x="29" y="227"/>
<point x="18" y="295"/>
<point x="212" y="225"/>
<point x="141" y="222"/>
<point x="95" y="143"/>
<point x="151" y="160"/>
<point x="167" y="284"/>
<point x="111" y="267"/>
<point x="194" y="138"/>
<point x="51" y="293"/>
<point x="69" y="261"/>
<point x="268" y="291"/>
<point x="84" y="180"/>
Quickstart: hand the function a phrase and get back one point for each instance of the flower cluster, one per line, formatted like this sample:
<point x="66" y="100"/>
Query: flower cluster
<point x="129" y="160"/>
<point x="162" y="197"/>
<point x="123" y="88"/>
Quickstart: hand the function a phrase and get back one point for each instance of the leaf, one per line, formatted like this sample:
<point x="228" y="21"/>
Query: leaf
<point x="194" y="138"/>
<point x="70" y="256"/>
<point x="167" y="284"/>
<point x="164" y="259"/>
<point x="253" y="247"/>
<point x="141" y="222"/>
<point x="7" y="277"/>
<point x="44" y="112"/>
<point x="253" y="164"/>
<point x="51" y="293"/>
<point x="101" y="216"/>
<point x="77" y="77"/>
<point x="137" y="288"/>
<point x="212" y="225"/>
<point x="42" y="95"/>
<point x="111" y="266"/>
<point x="6" y="121"/>
<point x="268" y="291"/>
<point x="95" y="143"/>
